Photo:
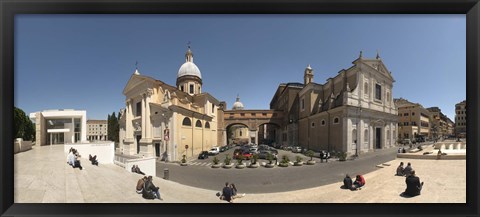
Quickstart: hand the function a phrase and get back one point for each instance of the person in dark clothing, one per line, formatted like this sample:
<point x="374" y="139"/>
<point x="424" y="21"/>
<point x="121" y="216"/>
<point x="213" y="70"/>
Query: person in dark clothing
<point x="408" y="169"/>
<point x="400" y="170"/>
<point x="347" y="182"/>
<point x="414" y="186"/>
<point x="226" y="193"/>
<point x="93" y="159"/>
<point x="150" y="191"/>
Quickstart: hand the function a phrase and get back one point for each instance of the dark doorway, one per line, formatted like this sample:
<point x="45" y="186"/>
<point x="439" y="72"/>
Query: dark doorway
<point x="378" y="137"/>
<point x="157" y="149"/>
<point x="138" y="143"/>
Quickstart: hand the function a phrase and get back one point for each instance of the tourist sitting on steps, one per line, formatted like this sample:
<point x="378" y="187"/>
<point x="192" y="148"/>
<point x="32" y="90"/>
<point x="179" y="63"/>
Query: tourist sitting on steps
<point x="400" y="170"/>
<point x="359" y="183"/>
<point x="234" y="192"/>
<point x="408" y="169"/>
<point x="140" y="184"/>
<point x="93" y="159"/>
<point x="150" y="191"/>
<point x="136" y="169"/>
<point x="413" y="185"/>
<point x="76" y="161"/>
<point x="226" y="193"/>
<point x="347" y="182"/>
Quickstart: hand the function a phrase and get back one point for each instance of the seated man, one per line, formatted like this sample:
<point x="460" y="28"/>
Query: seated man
<point x="400" y="170"/>
<point x="76" y="162"/>
<point x="347" y="182"/>
<point x="226" y="193"/>
<point x="93" y="159"/>
<point x="137" y="170"/>
<point x="71" y="158"/>
<point x="359" y="182"/>
<point x="150" y="191"/>
<point x="408" y="169"/>
<point x="413" y="185"/>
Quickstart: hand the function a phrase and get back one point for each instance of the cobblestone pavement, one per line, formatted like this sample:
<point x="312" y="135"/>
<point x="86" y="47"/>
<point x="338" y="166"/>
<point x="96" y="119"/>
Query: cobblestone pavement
<point x="42" y="176"/>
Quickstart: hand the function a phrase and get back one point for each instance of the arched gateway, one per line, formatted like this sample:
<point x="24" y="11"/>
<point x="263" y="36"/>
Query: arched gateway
<point x="254" y="120"/>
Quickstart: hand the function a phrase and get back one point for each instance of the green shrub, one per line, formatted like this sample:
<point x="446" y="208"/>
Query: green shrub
<point x="184" y="160"/>
<point x="270" y="158"/>
<point x="227" y="160"/>
<point x="254" y="159"/>
<point x="240" y="159"/>
<point x="298" y="159"/>
<point x="215" y="160"/>
<point x="285" y="159"/>
<point x="310" y="154"/>
<point x="342" y="156"/>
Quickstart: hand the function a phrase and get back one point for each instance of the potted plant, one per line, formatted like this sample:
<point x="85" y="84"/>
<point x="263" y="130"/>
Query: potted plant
<point x="253" y="161"/>
<point x="270" y="161"/>
<point x="310" y="154"/>
<point x="298" y="161"/>
<point x="284" y="162"/>
<point x="342" y="156"/>
<point x="240" y="164"/>
<point x="183" y="162"/>
<point x="216" y="163"/>
<point x="227" y="162"/>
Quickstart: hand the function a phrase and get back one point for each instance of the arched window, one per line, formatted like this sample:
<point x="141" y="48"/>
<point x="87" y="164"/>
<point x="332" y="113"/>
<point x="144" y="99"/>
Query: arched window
<point x="207" y="125"/>
<point x="365" y="136"/>
<point x="323" y="122"/>
<point x="388" y="135"/>
<point x="187" y="122"/>
<point x="240" y="133"/>
<point x="198" y="123"/>
<point x="336" y="120"/>
<point x="313" y="124"/>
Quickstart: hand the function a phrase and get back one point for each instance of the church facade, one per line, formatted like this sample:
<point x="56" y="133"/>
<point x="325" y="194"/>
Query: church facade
<point x="353" y="112"/>
<point x="169" y="121"/>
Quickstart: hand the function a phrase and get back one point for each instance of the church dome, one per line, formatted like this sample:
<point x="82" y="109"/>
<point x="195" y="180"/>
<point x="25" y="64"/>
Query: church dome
<point x="237" y="105"/>
<point x="189" y="68"/>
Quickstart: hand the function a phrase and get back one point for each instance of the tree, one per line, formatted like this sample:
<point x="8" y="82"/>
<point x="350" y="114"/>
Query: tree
<point x="113" y="128"/>
<point x="22" y="125"/>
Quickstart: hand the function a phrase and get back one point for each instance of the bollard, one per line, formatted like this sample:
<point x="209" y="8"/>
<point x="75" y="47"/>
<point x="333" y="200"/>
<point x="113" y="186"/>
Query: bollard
<point x="165" y="173"/>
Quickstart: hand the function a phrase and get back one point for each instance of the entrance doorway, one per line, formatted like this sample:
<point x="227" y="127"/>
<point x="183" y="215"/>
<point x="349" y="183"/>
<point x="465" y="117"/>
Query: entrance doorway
<point x="56" y="138"/>
<point x="138" y="143"/>
<point x="157" y="149"/>
<point x="378" y="138"/>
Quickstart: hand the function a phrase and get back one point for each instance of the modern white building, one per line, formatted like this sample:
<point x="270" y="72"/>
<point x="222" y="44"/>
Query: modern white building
<point x="60" y="126"/>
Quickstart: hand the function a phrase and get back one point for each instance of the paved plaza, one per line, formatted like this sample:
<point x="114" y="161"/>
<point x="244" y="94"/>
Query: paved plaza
<point x="43" y="176"/>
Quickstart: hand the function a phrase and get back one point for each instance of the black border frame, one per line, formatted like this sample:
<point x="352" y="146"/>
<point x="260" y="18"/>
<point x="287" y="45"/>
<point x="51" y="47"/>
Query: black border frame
<point x="8" y="9"/>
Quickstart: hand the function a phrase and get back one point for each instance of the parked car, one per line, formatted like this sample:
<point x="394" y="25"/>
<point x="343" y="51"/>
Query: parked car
<point x="203" y="155"/>
<point x="297" y="149"/>
<point x="246" y="154"/>
<point x="264" y="153"/>
<point x="214" y="151"/>
<point x="253" y="150"/>
<point x="224" y="148"/>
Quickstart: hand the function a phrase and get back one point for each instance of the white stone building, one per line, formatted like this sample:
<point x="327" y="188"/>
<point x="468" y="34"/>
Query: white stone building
<point x="60" y="126"/>
<point x="97" y="130"/>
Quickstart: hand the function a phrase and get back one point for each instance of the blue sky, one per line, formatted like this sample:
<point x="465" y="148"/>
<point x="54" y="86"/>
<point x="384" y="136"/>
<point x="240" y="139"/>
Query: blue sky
<point x="84" y="61"/>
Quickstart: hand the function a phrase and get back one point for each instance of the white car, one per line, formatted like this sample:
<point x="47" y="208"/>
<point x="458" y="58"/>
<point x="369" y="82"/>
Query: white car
<point x="214" y="151"/>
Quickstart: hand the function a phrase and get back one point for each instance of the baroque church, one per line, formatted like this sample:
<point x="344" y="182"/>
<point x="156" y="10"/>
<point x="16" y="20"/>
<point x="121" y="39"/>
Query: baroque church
<point x="169" y="121"/>
<point x="353" y="112"/>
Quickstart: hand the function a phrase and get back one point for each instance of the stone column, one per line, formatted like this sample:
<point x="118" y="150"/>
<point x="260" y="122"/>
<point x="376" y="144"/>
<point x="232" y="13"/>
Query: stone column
<point x="148" y="125"/>
<point x="72" y="128"/>
<point x="128" y="120"/>
<point x="143" y="116"/>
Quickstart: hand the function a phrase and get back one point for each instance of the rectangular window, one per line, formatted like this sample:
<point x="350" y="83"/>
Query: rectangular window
<point x="181" y="88"/>
<point x="405" y="114"/>
<point x="413" y="113"/>
<point x="213" y="108"/>
<point x="253" y="114"/>
<point x="139" y="109"/>
<point x="242" y="114"/>
<point x="378" y="91"/>
<point x="302" y="104"/>
<point x="191" y="88"/>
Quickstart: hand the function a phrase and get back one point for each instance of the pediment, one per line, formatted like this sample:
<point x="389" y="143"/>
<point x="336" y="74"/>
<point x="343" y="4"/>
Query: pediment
<point x="378" y="66"/>
<point x="134" y="82"/>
